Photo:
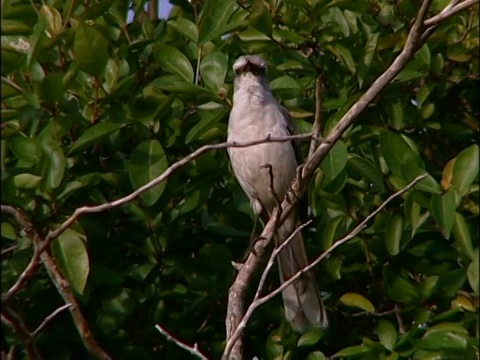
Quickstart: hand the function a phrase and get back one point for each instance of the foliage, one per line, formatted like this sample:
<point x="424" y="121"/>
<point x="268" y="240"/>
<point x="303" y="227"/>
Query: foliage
<point x="93" y="108"/>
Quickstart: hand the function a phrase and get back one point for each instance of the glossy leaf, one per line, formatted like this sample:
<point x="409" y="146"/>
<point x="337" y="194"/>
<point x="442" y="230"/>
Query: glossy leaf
<point x="93" y="135"/>
<point x="462" y="235"/>
<point x="393" y="234"/>
<point x="174" y="61"/>
<point x="334" y="162"/>
<point x="465" y="168"/>
<point x="387" y="334"/>
<point x="91" y="49"/>
<point x="72" y="258"/>
<point x="217" y="20"/>
<point x="358" y="301"/>
<point x="472" y="273"/>
<point x="147" y="162"/>
<point x="213" y="69"/>
<point x="443" y="211"/>
<point x="52" y="163"/>
<point x="26" y="149"/>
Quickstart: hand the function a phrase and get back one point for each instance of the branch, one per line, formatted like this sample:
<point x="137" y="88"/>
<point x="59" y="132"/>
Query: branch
<point x="191" y="349"/>
<point x="317" y="124"/>
<point x="49" y="318"/>
<point x="450" y="10"/>
<point x="257" y="301"/>
<point x="34" y="261"/>
<point x="11" y="319"/>
<point x="65" y="291"/>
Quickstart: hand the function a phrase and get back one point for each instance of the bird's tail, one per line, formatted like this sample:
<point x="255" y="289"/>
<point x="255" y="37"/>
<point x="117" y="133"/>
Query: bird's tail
<point x="301" y="299"/>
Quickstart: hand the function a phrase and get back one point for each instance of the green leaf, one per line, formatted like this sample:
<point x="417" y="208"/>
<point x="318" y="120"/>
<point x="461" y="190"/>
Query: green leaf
<point x="52" y="163"/>
<point x="93" y="135"/>
<point x="461" y="233"/>
<point x="344" y="55"/>
<point x="352" y="351"/>
<point x="472" y="273"/>
<point x="51" y="89"/>
<point x="174" y="84"/>
<point x="334" y="162"/>
<point x="213" y="69"/>
<point x="443" y="211"/>
<point x="366" y="170"/>
<point x="54" y="20"/>
<point x="90" y="49"/>
<point x="309" y="338"/>
<point x="217" y="19"/>
<point x="316" y="355"/>
<point x="401" y="155"/>
<point x="387" y="334"/>
<point x="72" y="258"/>
<point x="444" y="336"/>
<point x="8" y="231"/>
<point x="285" y="87"/>
<point x="358" y="301"/>
<point x="148" y="161"/>
<point x="260" y="17"/>
<point x="465" y="169"/>
<point x="398" y="288"/>
<point x="330" y="232"/>
<point x="26" y="181"/>
<point x="173" y="60"/>
<point x="26" y="149"/>
<point x="36" y="40"/>
<point x="185" y="27"/>
<point x="393" y="234"/>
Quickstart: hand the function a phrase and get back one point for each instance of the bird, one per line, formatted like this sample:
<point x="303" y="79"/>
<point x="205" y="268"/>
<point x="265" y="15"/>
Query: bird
<point x="257" y="115"/>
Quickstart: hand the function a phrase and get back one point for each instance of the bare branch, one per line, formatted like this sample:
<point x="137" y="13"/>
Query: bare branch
<point x="255" y="303"/>
<point x="317" y="124"/>
<point x="34" y="261"/>
<point x="49" y="318"/>
<point x="65" y="291"/>
<point x="450" y="10"/>
<point x="191" y="349"/>
<point x="11" y="319"/>
<point x="345" y="239"/>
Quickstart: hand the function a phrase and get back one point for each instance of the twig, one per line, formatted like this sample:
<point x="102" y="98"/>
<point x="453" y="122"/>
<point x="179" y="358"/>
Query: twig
<point x="261" y="300"/>
<point x="15" y="322"/>
<point x="255" y="303"/>
<point x="49" y="318"/>
<point x="65" y="291"/>
<point x="450" y="10"/>
<point x="34" y="261"/>
<point x="317" y="124"/>
<point x="191" y="349"/>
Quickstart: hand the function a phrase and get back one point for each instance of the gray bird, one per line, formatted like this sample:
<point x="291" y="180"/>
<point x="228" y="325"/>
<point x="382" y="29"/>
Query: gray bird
<point x="255" y="115"/>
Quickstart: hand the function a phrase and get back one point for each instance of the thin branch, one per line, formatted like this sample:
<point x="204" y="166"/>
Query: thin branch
<point x="345" y="239"/>
<point x="191" y="349"/>
<point x="243" y="323"/>
<point x="317" y="124"/>
<point x="49" y="318"/>
<point x="34" y="261"/>
<point x="11" y="319"/>
<point x="257" y="301"/>
<point x="12" y="84"/>
<point x="449" y="11"/>
<point x="65" y="291"/>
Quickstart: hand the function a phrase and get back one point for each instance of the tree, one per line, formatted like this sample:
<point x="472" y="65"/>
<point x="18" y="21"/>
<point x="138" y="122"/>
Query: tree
<point x="94" y="108"/>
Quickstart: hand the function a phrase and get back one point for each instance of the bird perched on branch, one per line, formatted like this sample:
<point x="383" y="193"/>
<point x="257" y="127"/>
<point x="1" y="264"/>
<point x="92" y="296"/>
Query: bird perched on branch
<point x="265" y="172"/>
